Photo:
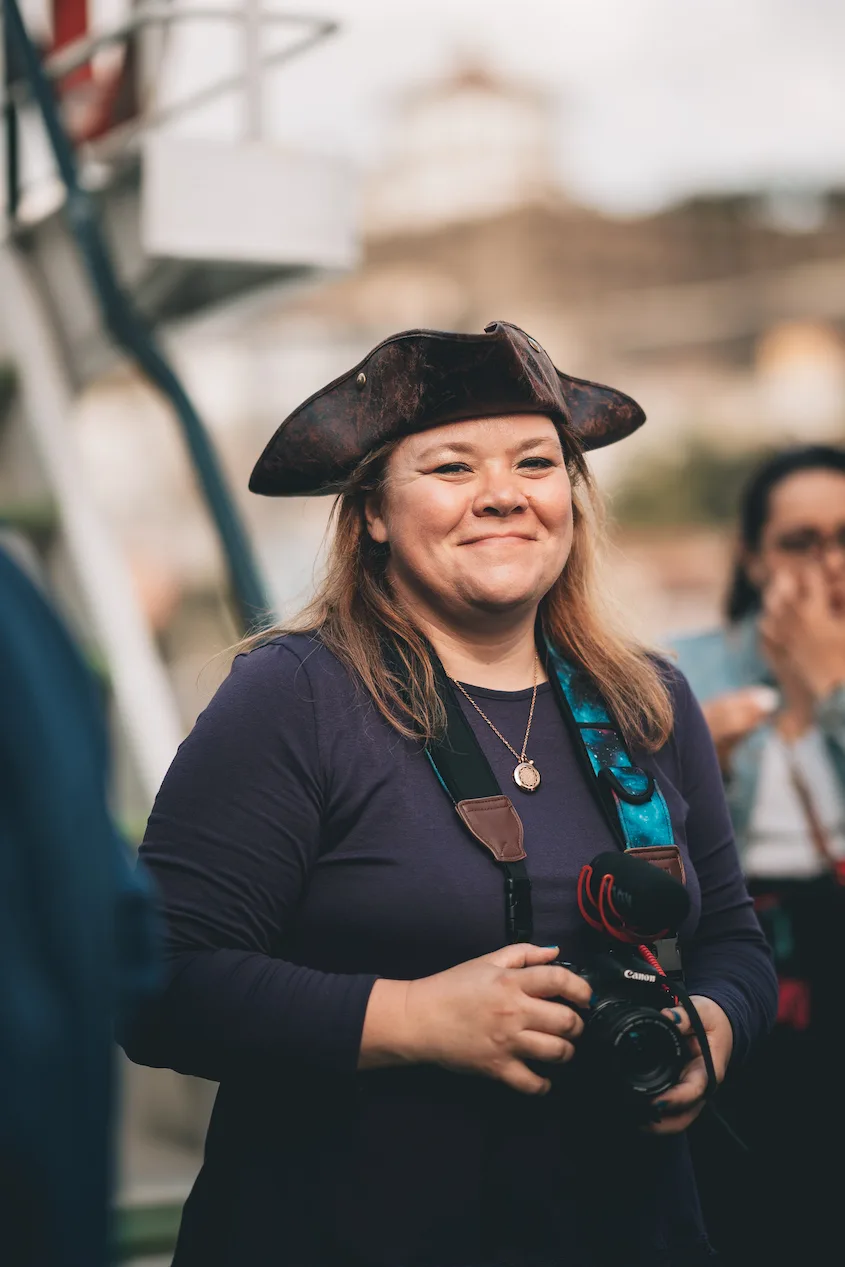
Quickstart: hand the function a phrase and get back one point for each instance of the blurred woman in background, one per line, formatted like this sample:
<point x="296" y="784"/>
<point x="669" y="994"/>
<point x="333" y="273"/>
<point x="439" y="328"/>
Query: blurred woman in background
<point x="772" y="686"/>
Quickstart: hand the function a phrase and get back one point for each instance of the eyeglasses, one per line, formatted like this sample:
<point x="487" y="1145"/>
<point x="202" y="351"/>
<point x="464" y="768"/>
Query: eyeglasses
<point x="809" y="541"/>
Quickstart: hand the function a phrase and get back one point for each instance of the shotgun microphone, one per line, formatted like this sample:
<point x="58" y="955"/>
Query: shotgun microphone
<point x="643" y="899"/>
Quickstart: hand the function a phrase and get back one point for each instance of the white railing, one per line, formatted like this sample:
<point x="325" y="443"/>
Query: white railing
<point x="227" y="72"/>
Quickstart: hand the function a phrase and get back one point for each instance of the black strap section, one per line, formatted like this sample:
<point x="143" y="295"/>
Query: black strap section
<point x="625" y="794"/>
<point x="465" y="770"/>
<point x="682" y="994"/>
<point x="458" y="756"/>
<point x="519" y="913"/>
<point x="680" y="991"/>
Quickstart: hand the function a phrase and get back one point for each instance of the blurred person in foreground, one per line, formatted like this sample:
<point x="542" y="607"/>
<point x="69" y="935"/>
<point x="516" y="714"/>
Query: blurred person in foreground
<point x="391" y="1033"/>
<point x="772" y="686"/>
<point x="76" y="942"/>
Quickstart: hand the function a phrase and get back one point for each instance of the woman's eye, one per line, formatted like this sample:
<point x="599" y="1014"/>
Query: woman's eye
<point x="461" y="468"/>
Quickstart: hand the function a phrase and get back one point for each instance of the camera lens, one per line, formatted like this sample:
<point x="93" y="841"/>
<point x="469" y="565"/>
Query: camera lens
<point x="640" y="1047"/>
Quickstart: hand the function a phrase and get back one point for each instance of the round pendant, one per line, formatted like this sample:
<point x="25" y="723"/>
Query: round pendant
<point x="527" y="776"/>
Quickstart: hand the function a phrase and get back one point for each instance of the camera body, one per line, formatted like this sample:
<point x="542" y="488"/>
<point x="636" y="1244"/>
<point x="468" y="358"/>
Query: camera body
<point x="628" y="1046"/>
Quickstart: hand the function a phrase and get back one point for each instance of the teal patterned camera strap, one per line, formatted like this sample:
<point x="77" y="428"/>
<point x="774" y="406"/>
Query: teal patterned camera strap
<point x="640" y="805"/>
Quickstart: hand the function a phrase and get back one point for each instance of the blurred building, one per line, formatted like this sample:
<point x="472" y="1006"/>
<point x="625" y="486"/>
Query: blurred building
<point x="723" y="315"/>
<point x="468" y="147"/>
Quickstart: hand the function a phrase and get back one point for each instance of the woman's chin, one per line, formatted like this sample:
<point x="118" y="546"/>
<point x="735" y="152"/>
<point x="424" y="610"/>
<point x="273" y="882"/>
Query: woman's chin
<point x="501" y="599"/>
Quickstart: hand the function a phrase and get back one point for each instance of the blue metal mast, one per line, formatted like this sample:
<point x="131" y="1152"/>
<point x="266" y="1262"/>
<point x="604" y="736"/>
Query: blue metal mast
<point x="129" y="330"/>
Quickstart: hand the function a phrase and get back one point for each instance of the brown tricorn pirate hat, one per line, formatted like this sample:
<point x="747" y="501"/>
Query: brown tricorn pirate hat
<point x="424" y="378"/>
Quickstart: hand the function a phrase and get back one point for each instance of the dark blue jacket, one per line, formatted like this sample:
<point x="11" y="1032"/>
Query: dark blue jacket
<point x="75" y="941"/>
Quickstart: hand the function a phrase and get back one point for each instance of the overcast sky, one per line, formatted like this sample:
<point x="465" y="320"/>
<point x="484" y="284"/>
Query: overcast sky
<point x="655" y="97"/>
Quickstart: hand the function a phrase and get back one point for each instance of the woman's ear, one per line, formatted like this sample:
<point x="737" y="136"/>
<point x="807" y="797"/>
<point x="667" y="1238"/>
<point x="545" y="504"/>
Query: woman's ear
<point x="376" y="526"/>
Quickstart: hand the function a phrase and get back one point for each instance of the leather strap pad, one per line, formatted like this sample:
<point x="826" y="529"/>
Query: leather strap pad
<point x="666" y="857"/>
<point x="495" y="823"/>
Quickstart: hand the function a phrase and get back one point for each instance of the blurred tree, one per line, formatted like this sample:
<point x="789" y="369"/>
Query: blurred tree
<point x="700" y="486"/>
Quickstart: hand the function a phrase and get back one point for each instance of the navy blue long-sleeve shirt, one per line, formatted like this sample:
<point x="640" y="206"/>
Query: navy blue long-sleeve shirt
<point x="302" y="848"/>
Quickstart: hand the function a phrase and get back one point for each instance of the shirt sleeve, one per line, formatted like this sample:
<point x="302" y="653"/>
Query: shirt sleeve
<point x="234" y="832"/>
<point x="728" y="958"/>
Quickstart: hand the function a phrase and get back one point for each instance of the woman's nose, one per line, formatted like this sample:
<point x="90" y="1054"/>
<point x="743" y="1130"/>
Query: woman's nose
<point x="500" y="497"/>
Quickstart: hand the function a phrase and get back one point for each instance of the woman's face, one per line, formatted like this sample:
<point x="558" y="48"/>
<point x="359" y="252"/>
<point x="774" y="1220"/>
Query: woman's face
<point x="478" y="516"/>
<point x="805" y="528"/>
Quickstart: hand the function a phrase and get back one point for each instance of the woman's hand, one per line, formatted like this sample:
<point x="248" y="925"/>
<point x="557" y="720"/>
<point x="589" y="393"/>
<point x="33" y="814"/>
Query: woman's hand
<point x="802" y="636"/>
<point x="487" y="1016"/>
<point x="732" y="716"/>
<point x="680" y="1105"/>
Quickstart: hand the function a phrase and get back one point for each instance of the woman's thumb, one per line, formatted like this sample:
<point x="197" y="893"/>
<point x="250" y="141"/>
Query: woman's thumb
<point x="522" y="954"/>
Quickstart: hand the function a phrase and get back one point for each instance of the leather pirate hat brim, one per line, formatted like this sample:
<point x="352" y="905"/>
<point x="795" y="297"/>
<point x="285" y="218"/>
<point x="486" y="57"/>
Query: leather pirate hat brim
<point x="422" y="379"/>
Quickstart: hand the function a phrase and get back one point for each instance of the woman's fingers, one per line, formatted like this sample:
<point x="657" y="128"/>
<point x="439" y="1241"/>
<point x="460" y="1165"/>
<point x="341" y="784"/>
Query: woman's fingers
<point x="493" y="1014"/>
<point x="816" y="591"/>
<point x="521" y="954"/>
<point x="679" y="1016"/>
<point x="690" y="1088"/>
<point x="676" y="1123"/>
<point x="731" y="716"/>
<point x="517" y="1075"/>
<point x="547" y="1048"/>
<point x="539" y="976"/>
<point x="553" y="982"/>
<point x="681" y="1104"/>
<point x="782" y="592"/>
<point x="553" y="1018"/>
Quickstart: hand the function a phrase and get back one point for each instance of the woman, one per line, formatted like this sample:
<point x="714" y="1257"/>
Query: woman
<point x="772" y="684"/>
<point x="338" y="943"/>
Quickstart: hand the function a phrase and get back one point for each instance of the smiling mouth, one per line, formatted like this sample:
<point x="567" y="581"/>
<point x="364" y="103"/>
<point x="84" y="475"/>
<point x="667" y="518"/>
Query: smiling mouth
<point x="501" y="536"/>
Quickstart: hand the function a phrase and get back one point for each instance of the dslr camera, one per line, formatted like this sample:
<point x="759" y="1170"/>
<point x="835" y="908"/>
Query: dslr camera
<point x="627" y="1046"/>
<point x="628" y="1049"/>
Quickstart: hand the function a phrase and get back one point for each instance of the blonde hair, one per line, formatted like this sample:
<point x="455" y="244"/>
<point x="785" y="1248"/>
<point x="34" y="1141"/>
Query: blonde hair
<point x="354" y="610"/>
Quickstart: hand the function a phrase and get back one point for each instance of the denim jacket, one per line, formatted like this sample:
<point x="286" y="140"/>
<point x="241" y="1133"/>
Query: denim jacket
<point x="728" y="659"/>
